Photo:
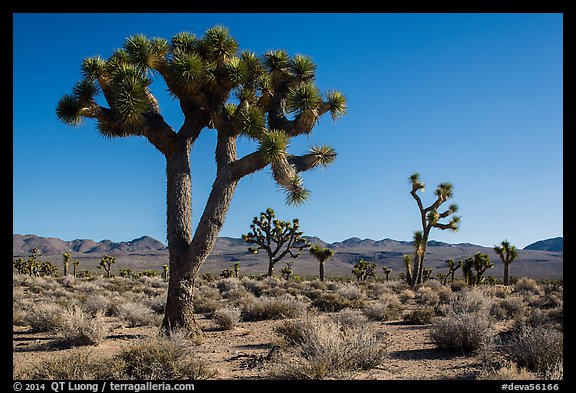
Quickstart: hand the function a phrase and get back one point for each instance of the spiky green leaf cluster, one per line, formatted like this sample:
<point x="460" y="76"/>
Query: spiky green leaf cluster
<point x="303" y="98"/>
<point x="188" y="71"/>
<point x="337" y="104"/>
<point x="296" y="193"/>
<point x="68" y="110"/>
<point x="129" y="99"/>
<point x="325" y="154"/>
<point x="273" y="145"/>
<point x="93" y="67"/>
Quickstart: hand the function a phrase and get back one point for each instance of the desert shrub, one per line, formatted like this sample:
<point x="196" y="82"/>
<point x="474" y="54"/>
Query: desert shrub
<point x="529" y="285"/>
<point x="42" y="284"/>
<point x="157" y="303"/>
<point x="160" y="358"/>
<point x="77" y="328"/>
<point x="507" y="372"/>
<point x="317" y="284"/>
<point x="350" y="318"/>
<point x="18" y="316"/>
<point x="511" y="307"/>
<point x="137" y="314"/>
<point x="253" y="286"/>
<point x="334" y="301"/>
<point x="206" y="299"/>
<point x="427" y="296"/>
<point x="227" y="317"/>
<point x="465" y="332"/>
<point x="422" y="315"/>
<point x="320" y="348"/>
<point x="228" y="284"/>
<point x="262" y="308"/>
<point x="406" y="295"/>
<point x="43" y="317"/>
<point x="66" y="281"/>
<point x="78" y="364"/>
<point x="98" y="303"/>
<point x="458" y="286"/>
<point x="351" y="292"/>
<point x="469" y="300"/>
<point x="537" y="348"/>
<point x="387" y="308"/>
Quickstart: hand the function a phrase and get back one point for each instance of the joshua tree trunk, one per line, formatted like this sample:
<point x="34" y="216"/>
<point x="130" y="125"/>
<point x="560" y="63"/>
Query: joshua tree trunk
<point x="271" y="267"/>
<point x="187" y="253"/>
<point x="322" y="277"/>
<point x="506" y="274"/>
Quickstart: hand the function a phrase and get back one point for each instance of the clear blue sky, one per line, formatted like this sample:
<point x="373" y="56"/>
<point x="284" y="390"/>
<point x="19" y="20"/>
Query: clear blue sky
<point x="471" y="99"/>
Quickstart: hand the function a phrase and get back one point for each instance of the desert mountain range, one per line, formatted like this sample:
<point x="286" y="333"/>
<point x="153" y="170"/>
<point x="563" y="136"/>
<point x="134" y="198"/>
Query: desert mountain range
<point x="541" y="260"/>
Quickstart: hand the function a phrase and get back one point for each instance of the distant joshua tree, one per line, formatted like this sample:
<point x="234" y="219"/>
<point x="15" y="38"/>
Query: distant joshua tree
<point x="322" y="254"/>
<point x="75" y="263"/>
<point x="165" y="271"/>
<point x="33" y="262"/>
<point x="387" y="272"/>
<point x="66" y="257"/>
<point x="430" y="218"/>
<point x="407" y="259"/>
<point x="364" y="270"/>
<point x="278" y="238"/>
<point x="452" y="267"/>
<point x="106" y="263"/>
<point x="507" y="254"/>
<point x="480" y="262"/>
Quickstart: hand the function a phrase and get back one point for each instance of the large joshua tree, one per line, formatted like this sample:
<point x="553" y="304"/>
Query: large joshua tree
<point x="235" y="94"/>
<point x="430" y="218"/>
<point x="507" y="253"/>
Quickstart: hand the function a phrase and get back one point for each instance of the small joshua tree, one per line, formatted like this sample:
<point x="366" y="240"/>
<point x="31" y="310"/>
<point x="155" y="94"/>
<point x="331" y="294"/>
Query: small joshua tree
<point x="46" y="268"/>
<point x="165" y="271"/>
<point x="387" y="272"/>
<point x="322" y="254"/>
<point x="227" y="273"/>
<point x="278" y="238"/>
<point x="407" y="259"/>
<point x="480" y="262"/>
<point x="20" y="265"/>
<point x="452" y="267"/>
<point x="33" y="262"/>
<point x="286" y="272"/>
<point x="237" y="269"/>
<point x="106" y="263"/>
<point x="507" y="254"/>
<point x="75" y="263"/>
<point x="66" y="257"/>
<point x="430" y="218"/>
<point x="363" y="270"/>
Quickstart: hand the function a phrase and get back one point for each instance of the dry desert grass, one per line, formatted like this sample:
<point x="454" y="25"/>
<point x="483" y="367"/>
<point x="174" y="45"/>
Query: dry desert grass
<point x="97" y="328"/>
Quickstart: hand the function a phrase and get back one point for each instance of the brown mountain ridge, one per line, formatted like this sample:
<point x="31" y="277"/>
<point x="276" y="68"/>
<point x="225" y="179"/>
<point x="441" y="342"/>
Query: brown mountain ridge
<point x="146" y="253"/>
